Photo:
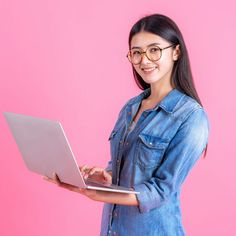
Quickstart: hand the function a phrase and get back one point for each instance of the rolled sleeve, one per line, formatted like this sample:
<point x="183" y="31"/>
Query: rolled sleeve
<point x="183" y="151"/>
<point x="109" y="166"/>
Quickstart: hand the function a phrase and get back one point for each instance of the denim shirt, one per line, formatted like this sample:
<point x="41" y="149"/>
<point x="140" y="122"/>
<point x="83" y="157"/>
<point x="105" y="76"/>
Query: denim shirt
<point x="154" y="158"/>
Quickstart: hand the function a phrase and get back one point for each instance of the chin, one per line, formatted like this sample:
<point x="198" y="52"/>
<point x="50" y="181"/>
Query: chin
<point x="151" y="80"/>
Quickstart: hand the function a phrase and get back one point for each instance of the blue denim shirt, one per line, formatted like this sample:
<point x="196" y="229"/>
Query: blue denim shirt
<point x="154" y="158"/>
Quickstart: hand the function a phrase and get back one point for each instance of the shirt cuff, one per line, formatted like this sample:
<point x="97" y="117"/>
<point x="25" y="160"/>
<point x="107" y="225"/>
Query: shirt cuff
<point x="109" y="167"/>
<point x="148" y="198"/>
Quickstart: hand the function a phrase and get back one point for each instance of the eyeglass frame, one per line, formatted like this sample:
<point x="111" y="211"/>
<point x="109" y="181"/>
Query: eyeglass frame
<point x="145" y="52"/>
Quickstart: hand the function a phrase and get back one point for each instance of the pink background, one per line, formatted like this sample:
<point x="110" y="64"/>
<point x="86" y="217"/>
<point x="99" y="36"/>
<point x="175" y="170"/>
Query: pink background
<point x="46" y="70"/>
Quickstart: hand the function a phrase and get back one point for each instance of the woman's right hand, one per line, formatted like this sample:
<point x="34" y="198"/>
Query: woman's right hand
<point x="96" y="174"/>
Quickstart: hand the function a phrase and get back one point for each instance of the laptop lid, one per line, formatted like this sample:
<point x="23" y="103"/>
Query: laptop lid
<point x="46" y="150"/>
<point x="44" y="147"/>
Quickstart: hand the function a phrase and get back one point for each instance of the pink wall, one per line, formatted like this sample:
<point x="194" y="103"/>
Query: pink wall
<point x="46" y="70"/>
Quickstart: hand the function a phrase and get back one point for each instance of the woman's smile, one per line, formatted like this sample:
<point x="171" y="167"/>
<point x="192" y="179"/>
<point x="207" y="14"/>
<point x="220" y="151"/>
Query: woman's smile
<point x="148" y="70"/>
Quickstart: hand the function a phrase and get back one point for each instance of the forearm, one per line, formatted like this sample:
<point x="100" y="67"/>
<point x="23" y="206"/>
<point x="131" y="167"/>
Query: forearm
<point x="117" y="198"/>
<point x="101" y="196"/>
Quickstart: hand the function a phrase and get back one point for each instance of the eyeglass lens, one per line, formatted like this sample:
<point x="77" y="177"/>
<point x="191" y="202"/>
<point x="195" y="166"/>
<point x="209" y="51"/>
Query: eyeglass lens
<point x="153" y="53"/>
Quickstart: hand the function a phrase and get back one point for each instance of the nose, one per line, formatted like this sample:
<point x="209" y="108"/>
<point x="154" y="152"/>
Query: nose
<point x="144" y="58"/>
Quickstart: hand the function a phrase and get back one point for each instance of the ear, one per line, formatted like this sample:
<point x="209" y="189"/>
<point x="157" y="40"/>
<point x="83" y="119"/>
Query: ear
<point x="176" y="52"/>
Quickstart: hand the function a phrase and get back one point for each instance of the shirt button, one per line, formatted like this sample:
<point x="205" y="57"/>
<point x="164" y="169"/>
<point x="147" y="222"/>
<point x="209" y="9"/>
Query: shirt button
<point x="127" y="143"/>
<point x="115" y="214"/>
<point x="118" y="161"/>
<point x="109" y="231"/>
<point x="129" y="113"/>
<point x="150" y="143"/>
<point x="121" y="142"/>
<point x="115" y="233"/>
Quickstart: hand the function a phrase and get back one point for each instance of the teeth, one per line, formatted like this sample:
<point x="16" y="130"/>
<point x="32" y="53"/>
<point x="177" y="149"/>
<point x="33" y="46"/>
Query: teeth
<point x="149" y="69"/>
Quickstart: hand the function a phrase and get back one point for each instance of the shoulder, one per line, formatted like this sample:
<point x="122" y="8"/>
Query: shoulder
<point x="189" y="108"/>
<point x="193" y="117"/>
<point x="186" y="113"/>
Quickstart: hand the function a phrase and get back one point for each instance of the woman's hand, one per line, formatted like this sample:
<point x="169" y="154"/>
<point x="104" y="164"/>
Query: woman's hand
<point x="55" y="180"/>
<point x="92" y="194"/>
<point x="96" y="174"/>
<point x="101" y="196"/>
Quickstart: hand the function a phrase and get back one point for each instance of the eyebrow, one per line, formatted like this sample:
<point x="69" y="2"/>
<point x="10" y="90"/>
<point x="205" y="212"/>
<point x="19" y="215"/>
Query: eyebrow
<point x="152" y="44"/>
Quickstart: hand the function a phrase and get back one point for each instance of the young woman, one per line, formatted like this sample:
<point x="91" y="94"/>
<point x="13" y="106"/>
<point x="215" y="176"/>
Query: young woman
<point x="158" y="137"/>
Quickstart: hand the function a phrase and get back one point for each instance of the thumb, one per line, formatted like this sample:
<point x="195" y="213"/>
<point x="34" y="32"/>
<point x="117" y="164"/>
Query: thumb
<point x="106" y="176"/>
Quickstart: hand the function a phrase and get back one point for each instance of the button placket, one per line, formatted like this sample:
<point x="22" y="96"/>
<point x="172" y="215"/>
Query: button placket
<point x="118" y="169"/>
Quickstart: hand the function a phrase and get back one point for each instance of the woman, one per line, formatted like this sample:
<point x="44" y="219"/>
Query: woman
<point x="158" y="137"/>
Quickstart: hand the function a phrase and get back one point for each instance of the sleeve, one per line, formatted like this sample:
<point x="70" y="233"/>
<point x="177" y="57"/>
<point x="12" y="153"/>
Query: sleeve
<point x="109" y="166"/>
<point x="183" y="151"/>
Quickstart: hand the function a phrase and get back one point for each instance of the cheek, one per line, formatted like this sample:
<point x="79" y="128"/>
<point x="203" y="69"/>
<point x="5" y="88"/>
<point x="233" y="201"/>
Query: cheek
<point x="166" y="60"/>
<point x="137" y="69"/>
<point x="165" y="64"/>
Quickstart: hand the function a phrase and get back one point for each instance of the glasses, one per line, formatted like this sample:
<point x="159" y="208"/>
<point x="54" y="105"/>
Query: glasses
<point x="153" y="53"/>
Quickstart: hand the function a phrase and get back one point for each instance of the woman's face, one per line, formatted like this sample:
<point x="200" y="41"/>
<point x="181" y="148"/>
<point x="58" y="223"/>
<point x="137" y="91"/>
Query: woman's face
<point x="154" y="71"/>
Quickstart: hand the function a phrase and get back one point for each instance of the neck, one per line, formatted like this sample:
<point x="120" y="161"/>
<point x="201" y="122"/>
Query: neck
<point x="159" y="91"/>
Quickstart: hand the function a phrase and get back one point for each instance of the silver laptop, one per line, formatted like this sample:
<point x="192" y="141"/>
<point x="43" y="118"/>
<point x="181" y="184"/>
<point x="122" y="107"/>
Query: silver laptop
<point x="46" y="150"/>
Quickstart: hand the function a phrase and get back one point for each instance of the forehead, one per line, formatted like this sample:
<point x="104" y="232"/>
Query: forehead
<point x="143" y="39"/>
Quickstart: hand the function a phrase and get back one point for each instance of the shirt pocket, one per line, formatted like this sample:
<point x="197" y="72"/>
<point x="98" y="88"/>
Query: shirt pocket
<point x="150" y="150"/>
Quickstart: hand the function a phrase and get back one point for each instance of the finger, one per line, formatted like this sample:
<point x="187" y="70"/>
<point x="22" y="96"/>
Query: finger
<point x="69" y="187"/>
<point x="51" y="180"/>
<point x="65" y="185"/>
<point x="81" y="190"/>
<point x="106" y="175"/>
<point x="56" y="179"/>
<point x="89" y="171"/>
<point x="94" y="170"/>
<point x="84" y="168"/>
<point x="45" y="177"/>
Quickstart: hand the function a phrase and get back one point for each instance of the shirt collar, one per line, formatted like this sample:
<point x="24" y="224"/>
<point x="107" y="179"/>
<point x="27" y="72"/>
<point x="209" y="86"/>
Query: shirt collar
<point x="168" y="103"/>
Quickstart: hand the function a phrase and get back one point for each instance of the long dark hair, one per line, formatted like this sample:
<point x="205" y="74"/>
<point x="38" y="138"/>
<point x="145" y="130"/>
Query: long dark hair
<point x="166" y="28"/>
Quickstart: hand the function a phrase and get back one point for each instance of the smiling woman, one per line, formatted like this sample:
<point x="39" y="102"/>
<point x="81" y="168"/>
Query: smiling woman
<point x="157" y="139"/>
<point x="152" y="61"/>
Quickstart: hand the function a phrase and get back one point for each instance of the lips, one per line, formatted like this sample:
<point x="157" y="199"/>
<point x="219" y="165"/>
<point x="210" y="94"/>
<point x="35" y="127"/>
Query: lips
<point x="148" y="69"/>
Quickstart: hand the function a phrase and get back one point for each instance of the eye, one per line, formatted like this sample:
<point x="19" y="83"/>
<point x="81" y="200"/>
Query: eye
<point x="136" y="52"/>
<point x="154" y="50"/>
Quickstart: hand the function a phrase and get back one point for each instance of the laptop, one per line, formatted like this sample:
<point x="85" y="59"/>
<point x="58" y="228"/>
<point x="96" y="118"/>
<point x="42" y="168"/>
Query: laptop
<point x="45" y="150"/>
